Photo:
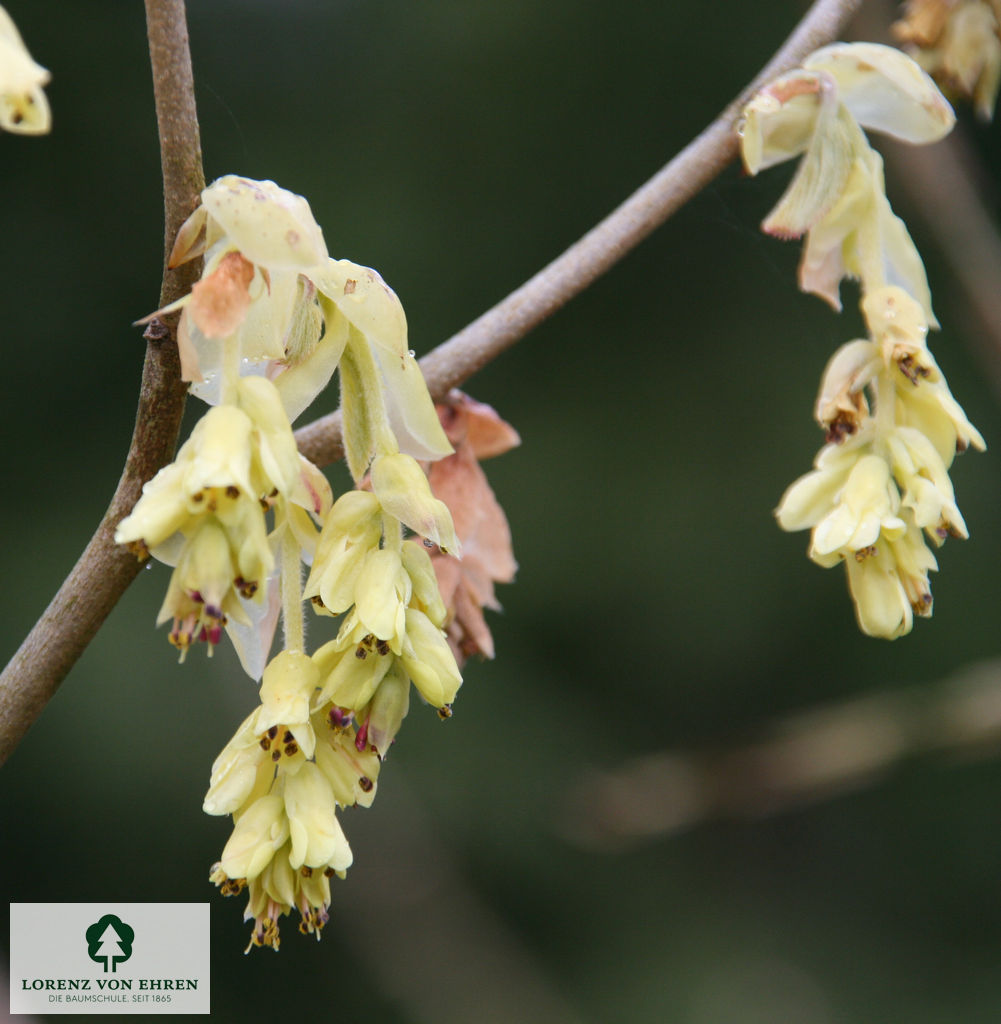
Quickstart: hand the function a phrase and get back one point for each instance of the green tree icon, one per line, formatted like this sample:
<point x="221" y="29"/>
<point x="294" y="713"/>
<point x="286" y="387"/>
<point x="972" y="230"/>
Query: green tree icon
<point x="109" y="941"/>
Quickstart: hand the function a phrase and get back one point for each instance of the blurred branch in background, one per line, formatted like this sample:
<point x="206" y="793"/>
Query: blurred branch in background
<point x="800" y="760"/>
<point x="102" y="574"/>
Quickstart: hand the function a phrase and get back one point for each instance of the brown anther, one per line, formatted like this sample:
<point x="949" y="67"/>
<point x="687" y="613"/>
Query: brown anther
<point x="291" y="749"/>
<point x="445" y="711"/>
<point x="273" y="731"/>
<point x="198" y="496"/>
<point x="265" y="743"/>
<point x="306" y="871"/>
<point x="912" y="370"/>
<point x="233" y="886"/>
<point x="276" y="755"/>
<point x="139" y="549"/>
<point x="839" y="428"/>
<point x="366" y="784"/>
<point x="232" y="492"/>
<point x="329" y="872"/>
<point x="863" y="553"/>
<point x="360" y="653"/>
<point x="382" y="647"/>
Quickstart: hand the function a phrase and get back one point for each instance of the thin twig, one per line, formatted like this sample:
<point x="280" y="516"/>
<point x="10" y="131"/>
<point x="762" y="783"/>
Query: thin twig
<point x="457" y="359"/>
<point x="105" y="570"/>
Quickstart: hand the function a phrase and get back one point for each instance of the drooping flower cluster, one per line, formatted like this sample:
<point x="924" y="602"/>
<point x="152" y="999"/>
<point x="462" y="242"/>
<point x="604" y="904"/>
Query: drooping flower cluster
<point x="23" y="106"/>
<point x="239" y="511"/>
<point x="881" y="484"/>
<point x="958" y="42"/>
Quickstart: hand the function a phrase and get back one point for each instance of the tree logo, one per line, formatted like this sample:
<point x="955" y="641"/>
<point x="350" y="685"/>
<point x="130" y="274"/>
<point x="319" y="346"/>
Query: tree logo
<point x="109" y="941"/>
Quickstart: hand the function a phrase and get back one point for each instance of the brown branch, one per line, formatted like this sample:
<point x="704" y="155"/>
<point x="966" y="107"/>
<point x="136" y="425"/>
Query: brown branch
<point x="105" y="570"/>
<point x="457" y="359"/>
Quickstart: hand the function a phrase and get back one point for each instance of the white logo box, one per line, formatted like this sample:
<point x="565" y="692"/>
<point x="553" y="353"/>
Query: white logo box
<point x="109" y="958"/>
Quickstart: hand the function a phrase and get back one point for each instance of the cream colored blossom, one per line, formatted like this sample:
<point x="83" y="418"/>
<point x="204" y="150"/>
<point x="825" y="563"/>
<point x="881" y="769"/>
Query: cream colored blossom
<point x="23" y="106"/>
<point x="258" y="833"/>
<point x="957" y="41"/>
<point x="350" y="532"/>
<point x="429" y="661"/>
<point x="346" y="758"/>
<point x="893" y="429"/>
<point x="404" y="492"/>
<point x="837" y="196"/>
<point x="275" y="892"/>
<point x="315" y="833"/>
<point x="864" y="510"/>
<point x="889" y="584"/>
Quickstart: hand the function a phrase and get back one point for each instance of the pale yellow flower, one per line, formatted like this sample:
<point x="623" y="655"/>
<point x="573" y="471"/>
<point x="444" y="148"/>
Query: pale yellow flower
<point x="837" y="196"/>
<point x="429" y="660"/>
<point x="315" y="833"/>
<point x="258" y="833"/>
<point x="865" y="509"/>
<point x="350" y="531"/>
<point x="23" y="106"/>
<point x="889" y="584"/>
<point x="348" y="757"/>
<point x="957" y="41"/>
<point x="404" y="492"/>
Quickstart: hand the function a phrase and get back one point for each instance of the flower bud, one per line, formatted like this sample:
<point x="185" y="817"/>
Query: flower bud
<point x="404" y="492"/>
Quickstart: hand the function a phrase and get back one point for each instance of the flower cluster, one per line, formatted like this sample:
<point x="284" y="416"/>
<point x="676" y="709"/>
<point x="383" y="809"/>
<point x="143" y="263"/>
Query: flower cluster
<point x="240" y="510"/>
<point x="23" y="106"/>
<point x="959" y="43"/>
<point x="881" y="485"/>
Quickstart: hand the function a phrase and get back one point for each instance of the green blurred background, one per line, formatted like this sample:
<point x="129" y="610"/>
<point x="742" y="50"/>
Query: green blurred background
<point x="457" y="147"/>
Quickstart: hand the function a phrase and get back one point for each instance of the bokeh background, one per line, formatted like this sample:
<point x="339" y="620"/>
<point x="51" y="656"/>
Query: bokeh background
<point x="687" y="789"/>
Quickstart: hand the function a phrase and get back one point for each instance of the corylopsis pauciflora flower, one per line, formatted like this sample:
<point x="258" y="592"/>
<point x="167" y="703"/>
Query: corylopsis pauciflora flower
<point x="237" y="513"/>
<point x="880" y="489"/>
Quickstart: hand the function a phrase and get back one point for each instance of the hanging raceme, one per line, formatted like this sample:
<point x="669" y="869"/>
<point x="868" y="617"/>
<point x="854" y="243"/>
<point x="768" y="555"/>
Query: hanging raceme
<point x="240" y="510"/>
<point x="880" y="488"/>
